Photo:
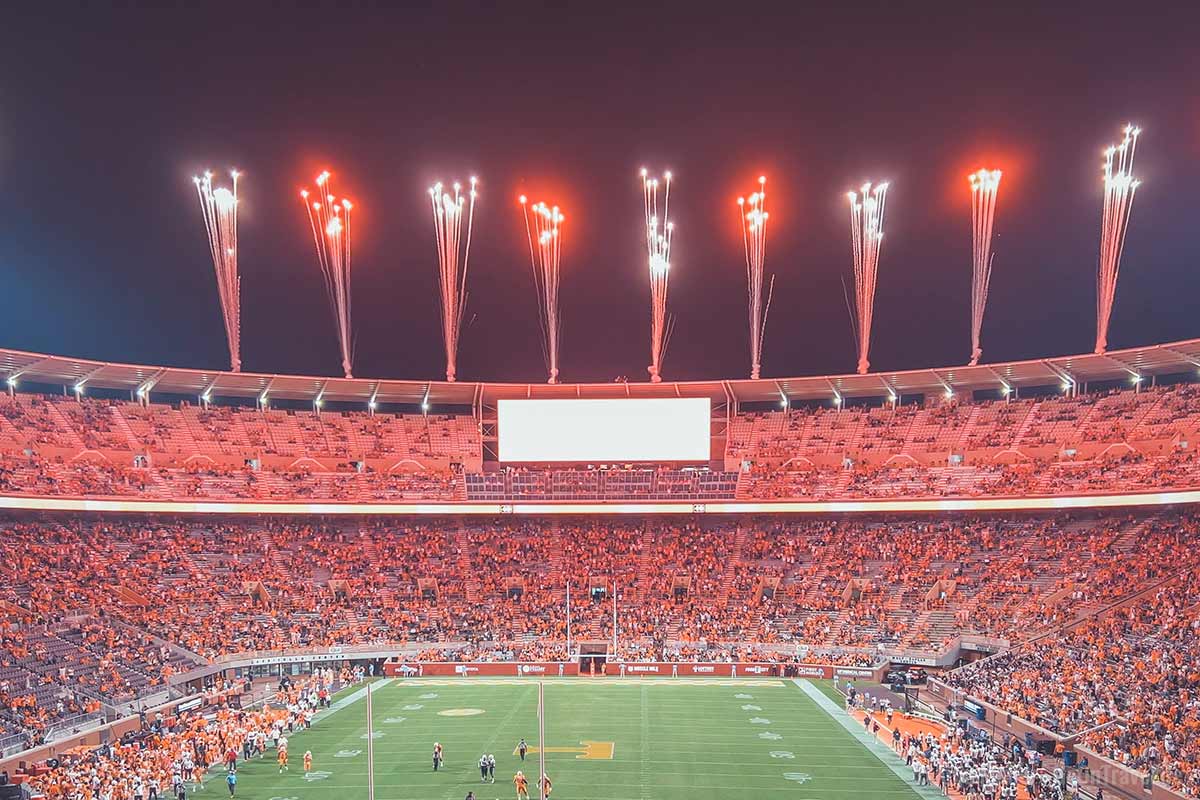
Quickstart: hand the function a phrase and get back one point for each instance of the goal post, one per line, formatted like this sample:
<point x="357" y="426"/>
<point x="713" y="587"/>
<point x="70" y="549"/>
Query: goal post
<point x="541" y="740"/>
<point x="370" y="746"/>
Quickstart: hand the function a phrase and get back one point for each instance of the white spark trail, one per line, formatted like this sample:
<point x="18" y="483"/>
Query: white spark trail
<point x="454" y="253"/>
<point x="219" y="207"/>
<point x="866" y="236"/>
<point x="1119" y="188"/>
<point x="329" y="219"/>
<point x="984" y="186"/>
<point x="543" y="229"/>
<point x="659" y="233"/>
<point x="753" y="217"/>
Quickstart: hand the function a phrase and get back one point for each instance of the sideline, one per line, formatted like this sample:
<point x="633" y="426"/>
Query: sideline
<point x="337" y="705"/>
<point x="871" y="742"/>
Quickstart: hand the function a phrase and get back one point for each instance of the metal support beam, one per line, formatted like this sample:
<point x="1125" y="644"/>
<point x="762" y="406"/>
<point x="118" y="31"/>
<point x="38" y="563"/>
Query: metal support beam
<point x="143" y="391"/>
<point x="261" y="401"/>
<point x="1007" y="386"/>
<point x="1072" y="384"/>
<point x="82" y="382"/>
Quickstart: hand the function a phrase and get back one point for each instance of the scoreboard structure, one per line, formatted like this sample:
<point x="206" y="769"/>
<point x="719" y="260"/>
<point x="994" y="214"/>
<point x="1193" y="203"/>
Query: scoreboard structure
<point x="627" y="430"/>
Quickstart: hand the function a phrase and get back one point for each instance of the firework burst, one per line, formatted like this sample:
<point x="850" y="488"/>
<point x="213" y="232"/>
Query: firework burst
<point x="543" y="229"/>
<point x="1119" y="188"/>
<point x="454" y="252"/>
<point x="659" y="234"/>
<point x="984" y="186"/>
<point x="329" y="218"/>
<point x="866" y="235"/>
<point x="753" y="217"/>
<point x="219" y="207"/>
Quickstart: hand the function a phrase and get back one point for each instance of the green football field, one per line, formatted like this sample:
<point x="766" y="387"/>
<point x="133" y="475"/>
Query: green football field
<point x="627" y="739"/>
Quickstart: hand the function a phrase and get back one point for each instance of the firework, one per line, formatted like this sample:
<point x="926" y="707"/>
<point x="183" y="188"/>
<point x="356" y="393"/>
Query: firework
<point x="329" y="218"/>
<point x="1119" y="188"/>
<point x="220" y="206"/>
<point x="866" y="234"/>
<point x="543" y="229"/>
<point x="659" y="232"/>
<point x="984" y="186"/>
<point x="753" y="216"/>
<point x="454" y="251"/>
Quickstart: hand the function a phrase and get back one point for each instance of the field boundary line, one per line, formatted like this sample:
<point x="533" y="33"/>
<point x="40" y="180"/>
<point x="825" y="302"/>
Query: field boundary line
<point x="353" y="697"/>
<point x="885" y="754"/>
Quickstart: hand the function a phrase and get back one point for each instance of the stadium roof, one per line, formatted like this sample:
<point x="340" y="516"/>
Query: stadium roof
<point x="1159" y="359"/>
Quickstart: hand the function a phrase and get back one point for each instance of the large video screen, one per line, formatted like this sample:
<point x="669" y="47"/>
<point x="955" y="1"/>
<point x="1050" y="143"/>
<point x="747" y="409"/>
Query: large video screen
<point x="626" y="430"/>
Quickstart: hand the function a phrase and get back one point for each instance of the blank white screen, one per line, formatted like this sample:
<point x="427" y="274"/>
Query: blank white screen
<point x="672" y="429"/>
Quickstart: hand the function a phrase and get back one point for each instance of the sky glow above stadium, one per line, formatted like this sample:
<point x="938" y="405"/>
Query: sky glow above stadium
<point x="540" y="109"/>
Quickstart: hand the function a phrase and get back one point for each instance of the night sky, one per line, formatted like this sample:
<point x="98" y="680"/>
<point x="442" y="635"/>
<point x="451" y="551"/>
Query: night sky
<point x="106" y="115"/>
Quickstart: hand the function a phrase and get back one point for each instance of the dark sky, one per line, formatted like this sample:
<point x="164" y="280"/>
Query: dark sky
<point x="105" y="116"/>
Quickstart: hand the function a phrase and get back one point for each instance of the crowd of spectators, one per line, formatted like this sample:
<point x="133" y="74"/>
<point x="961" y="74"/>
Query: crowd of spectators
<point x="179" y="751"/>
<point x="1126" y="681"/>
<point x="1121" y="441"/>
<point x="108" y="609"/>
<point x="973" y="768"/>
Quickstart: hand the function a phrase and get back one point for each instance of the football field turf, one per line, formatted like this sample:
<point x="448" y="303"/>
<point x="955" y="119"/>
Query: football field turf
<point x="627" y="739"/>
